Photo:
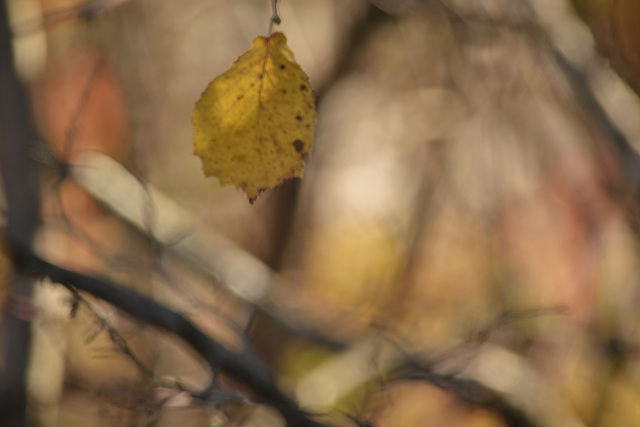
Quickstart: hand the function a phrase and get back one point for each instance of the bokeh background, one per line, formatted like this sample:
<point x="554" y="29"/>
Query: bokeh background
<point x="462" y="250"/>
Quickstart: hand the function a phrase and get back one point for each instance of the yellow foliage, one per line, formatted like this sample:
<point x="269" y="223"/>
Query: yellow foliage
<point x="253" y="125"/>
<point x="353" y="266"/>
<point x="622" y="407"/>
<point x="416" y="403"/>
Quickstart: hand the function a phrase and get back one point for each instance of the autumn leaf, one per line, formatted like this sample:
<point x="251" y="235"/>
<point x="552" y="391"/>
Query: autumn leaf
<point x="253" y="125"/>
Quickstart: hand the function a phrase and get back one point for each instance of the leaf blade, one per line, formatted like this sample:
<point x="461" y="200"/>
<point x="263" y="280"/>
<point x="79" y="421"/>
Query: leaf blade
<point x="253" y="125"/>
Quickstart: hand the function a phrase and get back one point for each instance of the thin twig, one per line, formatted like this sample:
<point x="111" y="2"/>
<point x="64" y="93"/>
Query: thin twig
<point x="121" y="344"/>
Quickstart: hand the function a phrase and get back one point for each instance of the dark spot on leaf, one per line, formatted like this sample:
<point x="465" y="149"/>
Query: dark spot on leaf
<point x="307" y="125"/>
<point x="303" y="87"/>
<point x="298" y="145"/>
<point x="299" y="118"/>
<point x="284" y="91"/>
<point x="282" y="67"/>
<point x="239" y="97"/>
<point x="260" y="75"/>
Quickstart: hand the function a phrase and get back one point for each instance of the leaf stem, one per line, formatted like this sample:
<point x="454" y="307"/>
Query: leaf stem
<point x="275" y="18"/>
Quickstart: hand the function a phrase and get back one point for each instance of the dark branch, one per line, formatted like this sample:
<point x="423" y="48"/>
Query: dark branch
<point x="20" y="177"/>
<point x="243" y="367"/>
<point x="467" y="390"/>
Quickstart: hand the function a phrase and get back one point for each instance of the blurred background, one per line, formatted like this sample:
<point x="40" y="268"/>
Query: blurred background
<point x="462" y="250"/>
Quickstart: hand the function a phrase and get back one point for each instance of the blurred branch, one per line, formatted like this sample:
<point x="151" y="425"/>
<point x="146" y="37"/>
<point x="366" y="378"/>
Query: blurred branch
<point x="548" y="35"/>
<point x="228" y="264"/>
<point x="468" y="390"/>
<point x="20" y="178"/>
<point x="120" y="343"/>
<point x="172" y="228"/>
<point x="88" y="10"/>
<point x="374" y="358"/>
<point x="19" y="173"/>
<point x="582" y="84"/>
<point x="467" y="371"/>
<point x="244" y="367"/>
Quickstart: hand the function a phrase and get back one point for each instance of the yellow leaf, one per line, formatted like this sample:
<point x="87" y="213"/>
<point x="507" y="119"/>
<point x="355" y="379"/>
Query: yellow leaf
<point x="253" y="125"/>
